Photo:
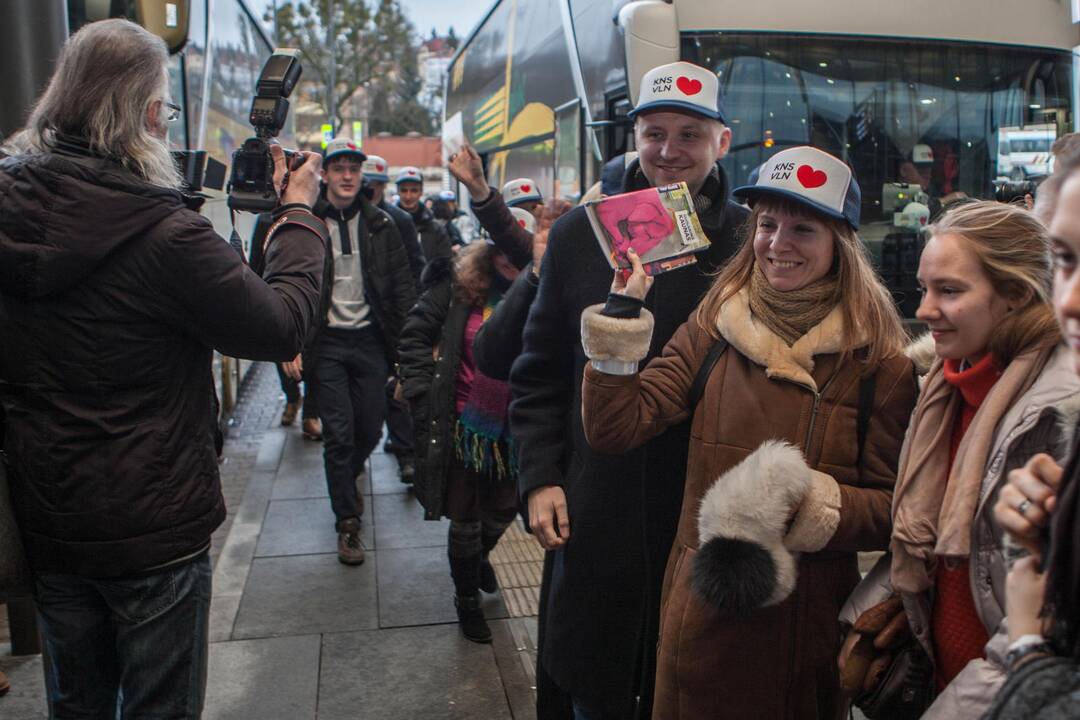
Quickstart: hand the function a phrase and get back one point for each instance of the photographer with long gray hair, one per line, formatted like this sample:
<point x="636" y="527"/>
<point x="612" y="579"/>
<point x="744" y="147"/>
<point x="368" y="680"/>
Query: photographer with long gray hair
<point x="113" y="296"/>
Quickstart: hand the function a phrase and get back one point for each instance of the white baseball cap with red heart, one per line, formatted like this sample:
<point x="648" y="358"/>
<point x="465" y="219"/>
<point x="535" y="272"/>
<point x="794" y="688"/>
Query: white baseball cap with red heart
<point x="524" y="219"/>
<point x="376" y="169"/>
<point x="810" y="177"/>
<point x="409" y="174"/>
<point x="342" y="146"/>
<point x="680" y="86"/>
<point x="520" y="191"/>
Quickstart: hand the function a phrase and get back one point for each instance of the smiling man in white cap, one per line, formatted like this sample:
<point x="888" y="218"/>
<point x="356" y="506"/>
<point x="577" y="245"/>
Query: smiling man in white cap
<point x="679" y="125"/>
<point x="619" y="512"/>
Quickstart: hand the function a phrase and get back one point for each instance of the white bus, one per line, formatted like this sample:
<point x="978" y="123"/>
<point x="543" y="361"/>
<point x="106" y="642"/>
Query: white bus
<point x="544" y="87"/>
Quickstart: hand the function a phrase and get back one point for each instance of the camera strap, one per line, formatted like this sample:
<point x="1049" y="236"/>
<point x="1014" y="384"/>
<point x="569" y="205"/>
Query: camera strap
<point x="303" y="218"/>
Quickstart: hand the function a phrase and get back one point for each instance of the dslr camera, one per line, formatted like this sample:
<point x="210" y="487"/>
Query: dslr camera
<point x="1010" y="191"/>
<point x="251" y="182"/>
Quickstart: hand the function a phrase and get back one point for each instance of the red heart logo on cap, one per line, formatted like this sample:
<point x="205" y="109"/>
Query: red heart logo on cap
<point x="379" y="168"/>
<point x="352" y="146"/>
<point x="521" y="223"/>
<point x="688" y="86"/>
<point x="526" y="188"/>
<point x="811" y="178"/>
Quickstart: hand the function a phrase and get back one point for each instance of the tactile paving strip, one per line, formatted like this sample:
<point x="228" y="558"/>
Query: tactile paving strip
<point x="518" y="561"/>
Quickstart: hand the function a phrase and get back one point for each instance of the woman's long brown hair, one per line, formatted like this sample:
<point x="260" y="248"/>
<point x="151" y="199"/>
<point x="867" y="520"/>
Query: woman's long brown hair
<point x="866" y="305"/>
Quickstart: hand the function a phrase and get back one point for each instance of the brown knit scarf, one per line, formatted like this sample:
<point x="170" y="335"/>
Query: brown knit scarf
<point x="792" y="313"/>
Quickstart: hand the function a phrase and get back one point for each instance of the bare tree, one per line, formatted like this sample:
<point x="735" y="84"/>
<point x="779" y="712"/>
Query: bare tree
<point x="347" y="44"/>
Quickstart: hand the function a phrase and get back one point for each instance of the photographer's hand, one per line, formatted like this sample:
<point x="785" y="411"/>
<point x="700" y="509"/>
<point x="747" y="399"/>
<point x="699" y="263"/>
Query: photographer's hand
<point x="303" y="186"/>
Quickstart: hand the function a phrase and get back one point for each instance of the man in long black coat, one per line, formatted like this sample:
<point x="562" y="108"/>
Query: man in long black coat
<point x="609" y="521"/>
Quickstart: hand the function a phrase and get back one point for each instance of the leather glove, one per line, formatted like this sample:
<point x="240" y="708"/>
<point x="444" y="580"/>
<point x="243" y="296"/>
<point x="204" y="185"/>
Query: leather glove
<point x="868" y="650"/>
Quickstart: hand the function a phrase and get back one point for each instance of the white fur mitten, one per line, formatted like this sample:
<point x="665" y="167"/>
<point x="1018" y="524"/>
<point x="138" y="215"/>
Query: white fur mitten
<point x="745" y="556"/>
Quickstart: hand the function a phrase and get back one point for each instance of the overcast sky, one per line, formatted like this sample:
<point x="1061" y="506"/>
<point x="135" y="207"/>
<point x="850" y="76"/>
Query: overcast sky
<point x="441" y="14"/>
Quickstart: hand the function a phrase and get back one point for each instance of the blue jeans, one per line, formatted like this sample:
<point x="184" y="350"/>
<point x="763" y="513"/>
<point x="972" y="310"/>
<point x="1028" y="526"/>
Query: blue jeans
<point x="132" y="647"/>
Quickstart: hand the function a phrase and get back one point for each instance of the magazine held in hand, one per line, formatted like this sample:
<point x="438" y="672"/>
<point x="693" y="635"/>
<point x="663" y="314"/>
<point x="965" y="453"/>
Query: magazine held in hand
<point x="660" y="224"/>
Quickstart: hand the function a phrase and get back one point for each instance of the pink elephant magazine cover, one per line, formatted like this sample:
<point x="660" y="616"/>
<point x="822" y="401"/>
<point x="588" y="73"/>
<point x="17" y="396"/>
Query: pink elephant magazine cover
<point x="660" y="224"/>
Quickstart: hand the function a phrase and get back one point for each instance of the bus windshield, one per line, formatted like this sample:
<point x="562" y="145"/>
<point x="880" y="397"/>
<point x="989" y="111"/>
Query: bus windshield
<point x="949" y="117"/>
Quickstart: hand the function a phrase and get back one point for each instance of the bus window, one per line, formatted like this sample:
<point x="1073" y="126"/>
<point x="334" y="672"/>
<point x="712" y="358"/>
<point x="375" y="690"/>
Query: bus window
<point x="568" y="151"/>
<point x="620" y="135"/>
<point x="168" y="19"/>
<point x="916" y="119"/>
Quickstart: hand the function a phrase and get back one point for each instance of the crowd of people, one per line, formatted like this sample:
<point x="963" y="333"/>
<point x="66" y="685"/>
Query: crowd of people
<point x="703" y="453"/>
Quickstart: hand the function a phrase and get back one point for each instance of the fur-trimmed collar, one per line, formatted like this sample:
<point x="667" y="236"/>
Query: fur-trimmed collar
<point x="764" y="347"/>
<point x="921" y="353"/>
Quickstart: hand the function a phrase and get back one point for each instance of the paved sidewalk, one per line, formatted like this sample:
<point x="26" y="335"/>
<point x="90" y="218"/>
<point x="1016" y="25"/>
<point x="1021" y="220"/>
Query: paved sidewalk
<point x="295" y="634"/>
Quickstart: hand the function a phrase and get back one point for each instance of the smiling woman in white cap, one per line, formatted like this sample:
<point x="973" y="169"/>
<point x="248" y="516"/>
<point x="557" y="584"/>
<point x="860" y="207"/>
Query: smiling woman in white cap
<point x="792" y="373"/>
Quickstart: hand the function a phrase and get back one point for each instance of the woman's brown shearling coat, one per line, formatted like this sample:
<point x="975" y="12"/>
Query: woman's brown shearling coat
<point x="780" y="661"/>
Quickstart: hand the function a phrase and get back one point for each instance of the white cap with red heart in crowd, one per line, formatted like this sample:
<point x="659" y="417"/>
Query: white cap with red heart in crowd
<point x="342" y="146"/>
<point x="809" y="177"/>
<point x="376" y="169"/>
<point x="410" y="174"/>
<point x="524" y="219"/>
<point x="520" y="191"/>
<point x="681" y="86"/>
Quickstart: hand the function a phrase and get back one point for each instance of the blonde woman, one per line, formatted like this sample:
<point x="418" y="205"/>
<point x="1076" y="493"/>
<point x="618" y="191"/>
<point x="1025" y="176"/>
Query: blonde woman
<point x="991" y="400"/>
<point x="804" y="396"/>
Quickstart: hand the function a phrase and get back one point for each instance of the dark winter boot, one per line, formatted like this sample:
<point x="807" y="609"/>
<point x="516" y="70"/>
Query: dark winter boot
<point x="488" y="582"/>
<point x="471" y="618"/>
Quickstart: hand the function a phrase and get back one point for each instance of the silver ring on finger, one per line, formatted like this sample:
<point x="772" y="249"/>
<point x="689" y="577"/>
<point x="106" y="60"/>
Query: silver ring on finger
<point x="1022" y="508"/>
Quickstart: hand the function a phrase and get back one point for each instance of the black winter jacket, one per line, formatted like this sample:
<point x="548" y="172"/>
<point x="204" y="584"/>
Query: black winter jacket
<point x="429" y="383"/>
<point x="388" y="281"/>
<point x="112" y="299"/>
<point x="498" y="342"/>
<point x="494" y="216"/>
<point x="434" y="240"/>
<point x="623" y="508"/>
<point x="409" y="238"/>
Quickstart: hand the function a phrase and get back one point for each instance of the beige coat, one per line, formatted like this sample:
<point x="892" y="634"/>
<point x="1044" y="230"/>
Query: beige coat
<point x="1038" y="422"/>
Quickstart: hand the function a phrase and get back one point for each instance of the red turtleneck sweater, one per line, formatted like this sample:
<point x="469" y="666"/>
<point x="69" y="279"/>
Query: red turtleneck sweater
<point x="958" y="633"/>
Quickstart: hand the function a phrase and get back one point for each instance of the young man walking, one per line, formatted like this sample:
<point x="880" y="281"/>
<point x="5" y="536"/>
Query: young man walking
<point x="433" y="237"/>
<point x="356" y="347"/>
